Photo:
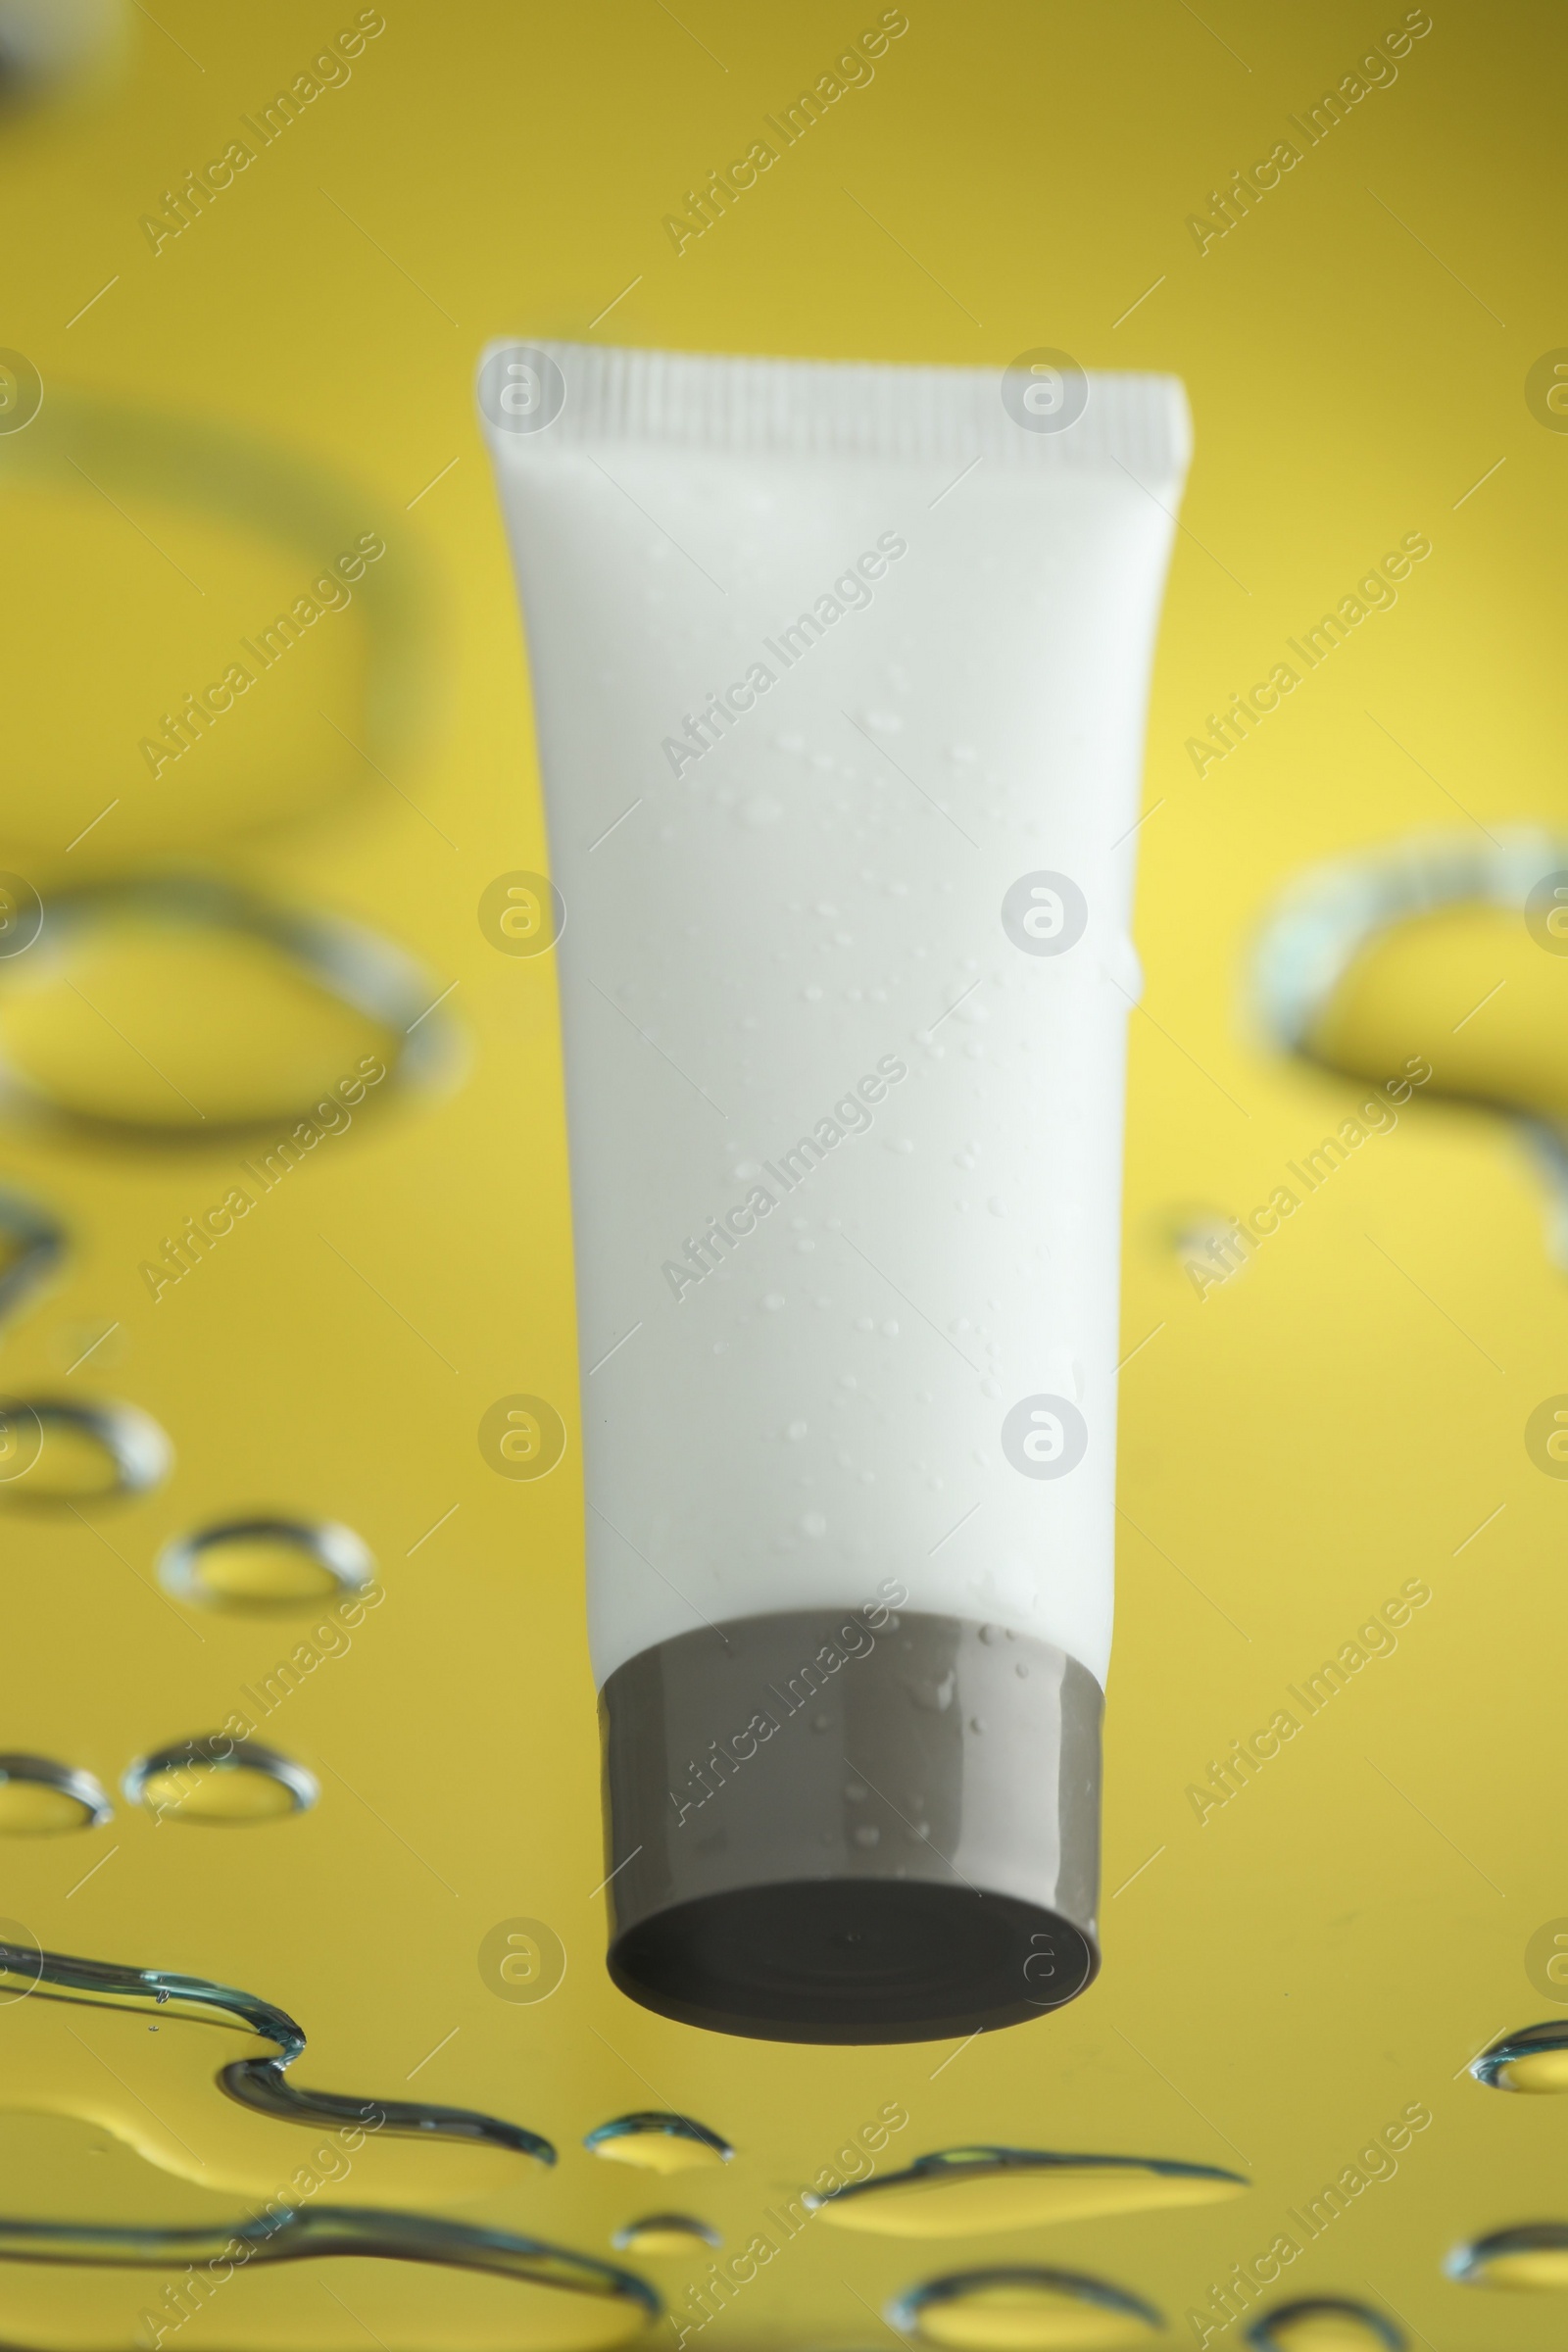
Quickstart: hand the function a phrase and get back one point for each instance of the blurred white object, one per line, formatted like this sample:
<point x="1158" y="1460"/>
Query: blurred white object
<point x="49" y="45"/>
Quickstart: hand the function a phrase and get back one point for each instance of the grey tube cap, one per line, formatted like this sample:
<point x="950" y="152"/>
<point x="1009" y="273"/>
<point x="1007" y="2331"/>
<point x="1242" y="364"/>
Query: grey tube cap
<point x="821" y="1831"/>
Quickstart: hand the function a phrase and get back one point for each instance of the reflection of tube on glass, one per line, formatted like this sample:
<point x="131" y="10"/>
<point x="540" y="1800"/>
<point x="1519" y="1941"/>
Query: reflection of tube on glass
<point x="840" y="675"/>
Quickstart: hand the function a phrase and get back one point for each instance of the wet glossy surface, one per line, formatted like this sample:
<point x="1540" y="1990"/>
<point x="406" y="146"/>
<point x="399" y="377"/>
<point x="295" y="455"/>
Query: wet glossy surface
<point x="1533" y="2060"/>
<point x="1023" y="2311"/>
<point x="963" y="2191"/>
<point x="42" y="1798"/>
<point x="666" y="2234"/>
<point x="658" y="2144"/>
<point x="265" y="1565"/>
<point x="1324" y="2324"/>
<point x="1303" y="1939"/>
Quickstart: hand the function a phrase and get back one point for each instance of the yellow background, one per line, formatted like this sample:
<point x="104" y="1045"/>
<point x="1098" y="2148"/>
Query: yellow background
<point x="1281" y="1981"/>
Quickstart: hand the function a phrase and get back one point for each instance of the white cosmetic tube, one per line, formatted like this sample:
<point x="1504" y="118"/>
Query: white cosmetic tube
<point x="840" y="676"/>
